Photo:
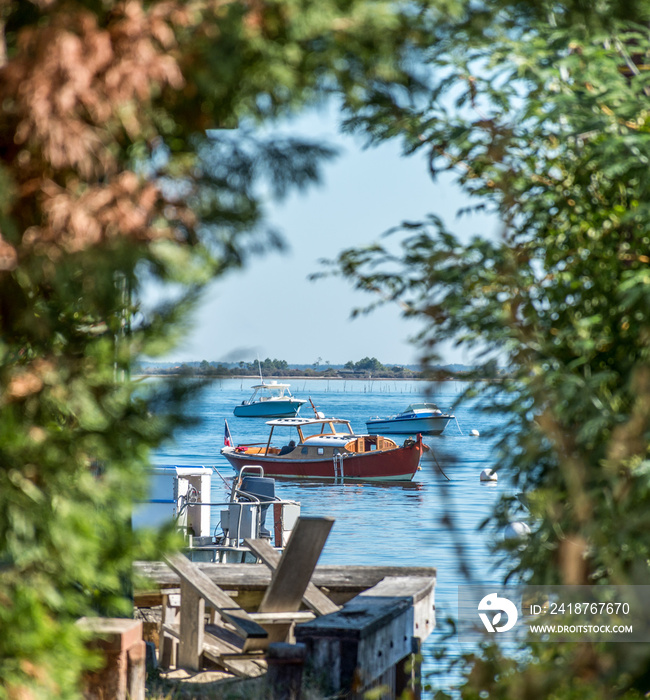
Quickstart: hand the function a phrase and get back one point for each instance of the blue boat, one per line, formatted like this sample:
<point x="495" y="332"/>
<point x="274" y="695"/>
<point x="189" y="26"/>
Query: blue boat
<point x="269" y="400"/>
<point x="424" y="418"/>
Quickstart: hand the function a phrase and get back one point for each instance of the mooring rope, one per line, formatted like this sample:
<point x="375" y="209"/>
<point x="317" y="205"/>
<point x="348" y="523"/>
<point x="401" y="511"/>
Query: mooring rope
<point x="433" y="454"/>
<point x="222" y="478"/>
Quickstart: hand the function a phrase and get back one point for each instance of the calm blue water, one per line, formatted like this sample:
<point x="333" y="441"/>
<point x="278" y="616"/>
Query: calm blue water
<point x="397" y="524"/>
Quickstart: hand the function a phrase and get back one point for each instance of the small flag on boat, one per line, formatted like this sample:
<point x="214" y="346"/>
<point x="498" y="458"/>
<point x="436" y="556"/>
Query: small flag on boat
<point x="227" y="437"/>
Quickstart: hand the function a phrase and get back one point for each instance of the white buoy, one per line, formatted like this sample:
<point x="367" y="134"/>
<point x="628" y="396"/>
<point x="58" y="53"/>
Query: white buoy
<point x="516" y="531"/>
<point x="474" y="433"/>
<point x="488" y="475"/>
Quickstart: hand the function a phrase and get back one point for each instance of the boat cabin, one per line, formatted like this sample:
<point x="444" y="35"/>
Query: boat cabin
<point x="319" y="438"/>
<point x="314" y="428"/>
<point x="417" y="408"/>
<point x="271" y="391"/>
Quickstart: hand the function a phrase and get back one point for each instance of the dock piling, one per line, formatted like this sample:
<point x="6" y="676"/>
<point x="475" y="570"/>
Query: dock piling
<point x="285" y="668"/>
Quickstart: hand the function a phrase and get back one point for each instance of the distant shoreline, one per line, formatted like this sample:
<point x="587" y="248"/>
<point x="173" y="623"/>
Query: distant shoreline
<point x="366" y="369"/>
<point x="288" y="380"/>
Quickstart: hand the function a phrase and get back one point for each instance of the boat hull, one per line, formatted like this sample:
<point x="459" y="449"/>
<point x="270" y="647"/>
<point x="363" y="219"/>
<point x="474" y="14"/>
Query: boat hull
<point x="433" y="425"/>
<point x="399" y="464"/>
<point x="269" y="409"/>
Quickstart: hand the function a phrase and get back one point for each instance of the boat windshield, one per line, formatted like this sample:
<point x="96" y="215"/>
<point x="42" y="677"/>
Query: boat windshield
<point x="326" y="427"/>
<point x="264" y="392"/>
<point x="421" y="407"/>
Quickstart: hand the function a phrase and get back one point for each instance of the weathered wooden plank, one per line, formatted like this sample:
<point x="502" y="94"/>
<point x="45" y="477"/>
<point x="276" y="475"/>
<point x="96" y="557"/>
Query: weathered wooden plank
<point x="312" y="597"/>
<point x="214" y="596"/>
<point x="408" y="676"/>
<point x="418" y="590"/>
<point x="244" y="624"/>
<point x="147" y="599"/>
<point x="189" y="573"/>
<point x="257" y="656"/>
<point x="170" y="613"/>
<point x="372" y="632"/>
<point x="290" y="578"/>
<point x="285" y="667"/>
<point x="296" y="565"/>
<point x="226" y="635"/>
<point x="404" y="586"/>
<point x="264" y="551"/>
<point x="344" y="580"/>
<point x="282" y="617"/>
<point x="277" y="626"/>
<point x="228" y="656"/>
<point x="172" y="630"/>
<point x="192" y="622"/>
<point x="374" y="608"/>
<point x="225" y="648"/>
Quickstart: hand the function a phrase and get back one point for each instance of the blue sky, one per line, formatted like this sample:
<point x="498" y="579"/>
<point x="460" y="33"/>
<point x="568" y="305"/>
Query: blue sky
<point x="271" y="309"/>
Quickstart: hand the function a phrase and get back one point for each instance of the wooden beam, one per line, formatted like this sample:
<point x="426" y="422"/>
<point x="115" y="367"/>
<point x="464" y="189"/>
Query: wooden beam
<point x="244" y="624"/>
<point x="250" y="581"/>
<point x="315" y="599"/>
<point x="194" y="580"/>
<point x="170" y="613"/>
<point x="296" y="565"/>
<point x="192" y="621"/>
<point x="191" y="574"/>
<point x="172" y="630"/>
<point x="250" y="577"/>
<point x="229" y="657"/>
<point x="283" y="617"/>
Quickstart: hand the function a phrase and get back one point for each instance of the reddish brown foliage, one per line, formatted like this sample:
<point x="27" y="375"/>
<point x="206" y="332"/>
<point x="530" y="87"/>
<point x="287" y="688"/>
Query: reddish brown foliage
<point x="75" y="96"/>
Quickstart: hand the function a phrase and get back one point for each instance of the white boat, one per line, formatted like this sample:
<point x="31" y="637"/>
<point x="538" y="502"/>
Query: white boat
<point x="424" y="418"/>
<point x="183" y="495"/>
<point x="269" y="400"/>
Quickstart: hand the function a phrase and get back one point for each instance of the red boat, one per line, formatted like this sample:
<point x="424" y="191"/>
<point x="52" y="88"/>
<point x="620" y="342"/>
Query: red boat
<point x="328" y="449"/>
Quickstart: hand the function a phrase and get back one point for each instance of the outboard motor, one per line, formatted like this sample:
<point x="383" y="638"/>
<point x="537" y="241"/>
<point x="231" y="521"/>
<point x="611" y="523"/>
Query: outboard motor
<point x="263" y="488"/>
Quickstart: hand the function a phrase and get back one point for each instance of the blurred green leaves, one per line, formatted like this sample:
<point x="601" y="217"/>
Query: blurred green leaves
<point x="138" y="150"/>
<point x="539" y="110"/>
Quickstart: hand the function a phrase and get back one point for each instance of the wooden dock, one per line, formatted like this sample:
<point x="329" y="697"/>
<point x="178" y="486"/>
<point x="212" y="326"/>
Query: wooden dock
<point x="248" y="582"/>
<point x="352" y="628"/>
<point x="374" y="639"/>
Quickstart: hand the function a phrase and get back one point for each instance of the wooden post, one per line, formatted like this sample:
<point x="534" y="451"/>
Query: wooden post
<point x="168" y="645"/>
<point x="408" y="674"/>
<point x="284" y="675"/>
<point x="123" y="674"/>
<point x="136" y="671"/>
<point x="192" y="626"/>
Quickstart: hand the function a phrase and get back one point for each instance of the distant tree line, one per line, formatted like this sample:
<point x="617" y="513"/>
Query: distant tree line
<point x="367" y="367"/>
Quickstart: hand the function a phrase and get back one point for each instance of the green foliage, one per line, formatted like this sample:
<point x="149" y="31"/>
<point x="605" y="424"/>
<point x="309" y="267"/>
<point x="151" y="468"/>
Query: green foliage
<point x="120" y="169"/>
<point x="366" y="364"/>
<point x="281" y="368"/>
<point x="541" y="112"/>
